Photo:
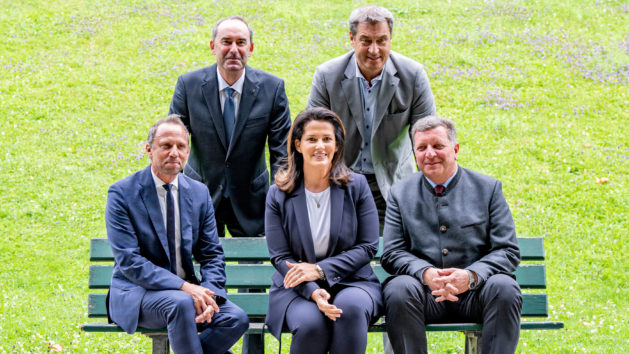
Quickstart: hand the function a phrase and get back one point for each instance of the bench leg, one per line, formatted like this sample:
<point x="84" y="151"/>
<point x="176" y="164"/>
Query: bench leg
<point x="472" y="342"/>
<point x="160" y="343"/>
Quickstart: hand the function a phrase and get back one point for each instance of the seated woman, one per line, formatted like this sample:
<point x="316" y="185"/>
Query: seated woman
<point x="322" y="230"/>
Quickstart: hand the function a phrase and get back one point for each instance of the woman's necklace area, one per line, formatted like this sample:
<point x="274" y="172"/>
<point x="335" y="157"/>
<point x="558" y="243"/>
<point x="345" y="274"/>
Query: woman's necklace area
<point x="318" y="197"/>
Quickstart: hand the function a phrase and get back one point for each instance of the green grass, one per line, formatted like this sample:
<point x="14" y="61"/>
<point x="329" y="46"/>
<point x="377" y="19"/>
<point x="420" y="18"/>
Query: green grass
<point x="539" y="91"/>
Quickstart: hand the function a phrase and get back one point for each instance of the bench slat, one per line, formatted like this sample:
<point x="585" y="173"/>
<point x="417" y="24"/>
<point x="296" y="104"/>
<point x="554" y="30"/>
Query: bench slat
<point x="533" y="305"/>
<point x="529" y="276"/>
<point x="254" y="248"/>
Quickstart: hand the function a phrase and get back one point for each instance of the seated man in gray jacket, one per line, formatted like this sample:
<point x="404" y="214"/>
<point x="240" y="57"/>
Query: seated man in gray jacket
<point x="449" y="240"/>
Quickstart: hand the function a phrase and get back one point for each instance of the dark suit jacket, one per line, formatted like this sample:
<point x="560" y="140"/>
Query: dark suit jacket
<point x="469" y="227"/>
<point x="263" y="112"/>
<point x="404" y="97"/>
<point x="136" y="232"/>
<point x="353" y="243"/>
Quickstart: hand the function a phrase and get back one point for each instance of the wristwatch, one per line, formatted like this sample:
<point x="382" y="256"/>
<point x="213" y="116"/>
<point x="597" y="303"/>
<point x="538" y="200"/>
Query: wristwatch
<point x="473" y="283"/>
<point x="321" y="274"/>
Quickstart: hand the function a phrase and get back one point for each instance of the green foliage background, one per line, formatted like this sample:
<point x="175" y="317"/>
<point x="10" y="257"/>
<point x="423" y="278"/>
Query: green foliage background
<point x="539" y="91"/>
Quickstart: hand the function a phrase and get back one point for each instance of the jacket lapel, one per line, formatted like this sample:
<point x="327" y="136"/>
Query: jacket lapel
<point x="149" y="198"/>
<point x="351" y="90"/>
<point x="337" y="202"/>
<point x="250" y="89"/>
<point x="303" y="223"/>
<point x="185" y="225"/>
<point x="387" y="88"/>
<point x="210" y="93"/>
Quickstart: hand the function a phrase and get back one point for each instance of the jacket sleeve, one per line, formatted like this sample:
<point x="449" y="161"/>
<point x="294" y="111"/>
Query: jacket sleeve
<point x="277" y="241"/>
<point x="319" y="96"/>
<point x="278" y="130"/>
<point x="345" y="263"/>
<point x="123" y="239"/>
<point x="209" y="252"/>
<point x="397" y="257"/>
<point x="179" y="104"/>
<point x="423" y="101"/>
<point x="504" y="254"/>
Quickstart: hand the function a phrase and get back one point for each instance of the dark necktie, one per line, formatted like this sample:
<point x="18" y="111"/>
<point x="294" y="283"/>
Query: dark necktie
<point x="229" y="113"/>
<point x="439" y="190"/>
<point x="170" y="227"/>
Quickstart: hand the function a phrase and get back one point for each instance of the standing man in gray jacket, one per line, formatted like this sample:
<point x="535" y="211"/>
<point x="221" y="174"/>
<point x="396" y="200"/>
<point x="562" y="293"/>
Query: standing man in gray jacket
<point x="378" y="94"/>
<point x="450" y="241"/>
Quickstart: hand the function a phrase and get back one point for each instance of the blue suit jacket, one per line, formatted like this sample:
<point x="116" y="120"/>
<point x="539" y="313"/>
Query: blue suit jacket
<point x="136" y="232"/>
<point x="354" y="234"/>
<point x="263" y="115"/>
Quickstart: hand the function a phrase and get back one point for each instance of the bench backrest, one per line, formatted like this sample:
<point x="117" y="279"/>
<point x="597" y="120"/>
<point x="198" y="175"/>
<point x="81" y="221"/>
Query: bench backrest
<point x="529" y="276"/>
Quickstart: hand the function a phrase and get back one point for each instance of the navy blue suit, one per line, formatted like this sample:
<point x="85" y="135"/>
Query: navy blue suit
<point x="136" y="232"/>
<point x="353" y="243"/>
<point x="238" y="169"/>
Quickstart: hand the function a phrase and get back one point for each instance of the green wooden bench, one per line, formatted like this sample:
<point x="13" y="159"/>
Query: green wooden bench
<point x="529" y="276"/>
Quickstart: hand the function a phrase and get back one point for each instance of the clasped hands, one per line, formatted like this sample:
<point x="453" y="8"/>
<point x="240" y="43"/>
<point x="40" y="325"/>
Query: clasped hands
<point x="446" y="283"/>
<point x="204" y="304"/>
<point x="303" y="272"/>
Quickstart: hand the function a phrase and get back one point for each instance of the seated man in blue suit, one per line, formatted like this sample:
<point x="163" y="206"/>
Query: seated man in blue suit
<point x="157" y="219"/>
<point x="450" y="241"/>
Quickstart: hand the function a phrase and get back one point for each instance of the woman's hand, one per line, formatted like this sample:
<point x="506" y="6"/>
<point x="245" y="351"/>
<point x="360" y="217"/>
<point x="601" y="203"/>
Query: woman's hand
<point x="321" y="297"/>
<point x="299" y="273"/>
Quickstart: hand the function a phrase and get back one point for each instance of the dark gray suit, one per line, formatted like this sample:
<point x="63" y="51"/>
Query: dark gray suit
<point x="404" y="97"/>
<point x="469" y="227"/>
<point x="263" y="113"/>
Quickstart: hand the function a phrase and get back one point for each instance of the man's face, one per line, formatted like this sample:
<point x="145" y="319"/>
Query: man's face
<point x="372" y="45"/>
<point x="232" y="48"/>
<point x="169" y="151"/>
<point x="436" y="155"/>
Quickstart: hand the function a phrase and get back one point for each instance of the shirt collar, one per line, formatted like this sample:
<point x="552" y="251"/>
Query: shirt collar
<point x="237" y="86"/>
<point x="159" y="183"/>
<point x="445" y="184"/>
<point x="374" y="81"/>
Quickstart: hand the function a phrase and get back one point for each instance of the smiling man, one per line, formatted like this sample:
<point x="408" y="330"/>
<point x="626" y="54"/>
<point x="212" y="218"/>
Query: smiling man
<point x="449" y="240"/>
<point x="378" y="94"/>
<point x="231" y="111"/>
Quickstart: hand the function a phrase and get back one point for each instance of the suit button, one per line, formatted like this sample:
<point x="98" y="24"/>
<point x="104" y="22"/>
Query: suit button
<point x="443" y="228"/>
<point x="337" y="278"/>
<point x="228" y="164"/>
<point x="444" y="251"/>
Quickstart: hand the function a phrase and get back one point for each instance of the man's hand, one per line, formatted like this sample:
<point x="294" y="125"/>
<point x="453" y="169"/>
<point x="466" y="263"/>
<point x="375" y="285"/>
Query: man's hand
<point x="204" y="304"/>
<point x="299" y="273"/>
<point x="447" y="283"/>
<point x="321" y="297"/>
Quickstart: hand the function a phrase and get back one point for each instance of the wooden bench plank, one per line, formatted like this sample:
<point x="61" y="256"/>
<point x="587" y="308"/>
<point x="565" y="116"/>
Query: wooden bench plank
<point x="254" y="248"/>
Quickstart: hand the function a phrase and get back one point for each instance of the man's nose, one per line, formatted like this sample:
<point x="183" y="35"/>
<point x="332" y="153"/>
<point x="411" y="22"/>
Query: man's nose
<point x="373" y="48"/>
<point x="430" y="152"/>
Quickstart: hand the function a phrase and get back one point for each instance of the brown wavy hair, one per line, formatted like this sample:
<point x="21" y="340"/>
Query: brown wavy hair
<point x="291" y="171"/>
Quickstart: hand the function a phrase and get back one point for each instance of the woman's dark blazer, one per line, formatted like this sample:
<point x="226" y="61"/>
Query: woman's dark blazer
<point x="354" y="234"/>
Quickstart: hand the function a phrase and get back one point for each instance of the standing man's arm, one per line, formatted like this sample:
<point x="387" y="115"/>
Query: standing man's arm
<point x="278" y="130"/>
<point x="179" y="104"/>
<point x="423" y="101"/>
<point x="319" y="96"/>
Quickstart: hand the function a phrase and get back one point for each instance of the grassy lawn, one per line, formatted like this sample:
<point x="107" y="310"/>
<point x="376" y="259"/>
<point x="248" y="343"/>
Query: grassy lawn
<point x="539" y="91"/>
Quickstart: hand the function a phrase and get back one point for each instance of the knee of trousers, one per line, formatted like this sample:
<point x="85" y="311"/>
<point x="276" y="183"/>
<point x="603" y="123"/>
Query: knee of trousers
<point x="312" y="327"/>
<point x="504" y="290"/>
<point x="400" y="289"/>
<point x="241" y="320"/>
<point x="181" y="304"/>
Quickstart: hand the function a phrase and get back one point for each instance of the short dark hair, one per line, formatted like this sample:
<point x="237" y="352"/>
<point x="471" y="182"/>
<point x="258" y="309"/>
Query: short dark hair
<point x="291" y="172"/>
<point x="172" y="119"/>
<point x="235" y="17"/>
<point x="370" y="14"/>
<point x="432" y="122"/>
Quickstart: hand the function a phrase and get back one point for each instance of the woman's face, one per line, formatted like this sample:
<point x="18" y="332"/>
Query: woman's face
<point x="317" y="144"/>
